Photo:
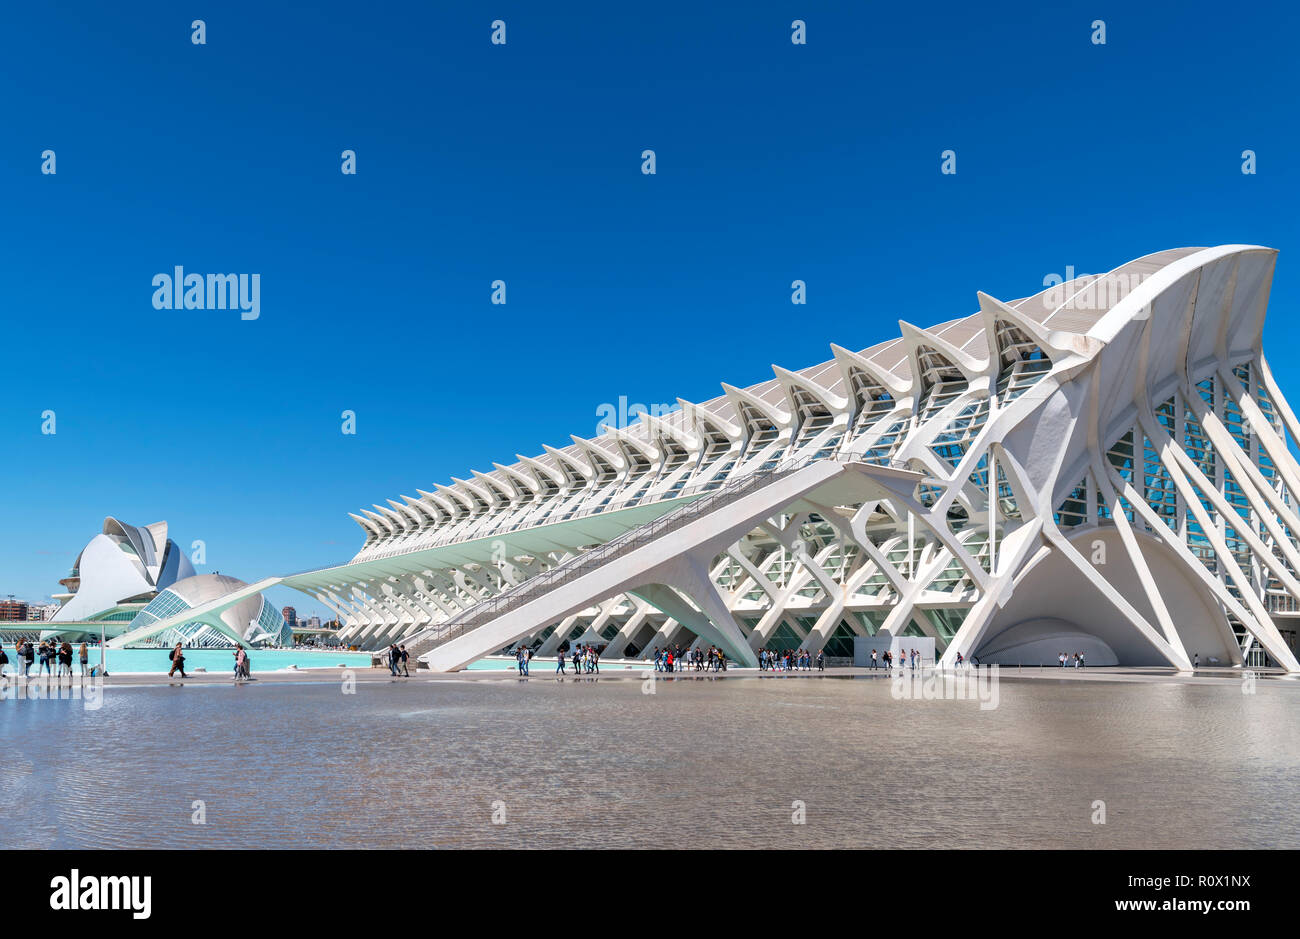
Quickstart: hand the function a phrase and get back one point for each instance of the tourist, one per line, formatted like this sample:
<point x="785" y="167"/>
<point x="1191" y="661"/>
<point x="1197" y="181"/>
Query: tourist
<point x="873" y="658"/>
<point x="28" y="657"/>
<point x="1062" y="657"/>
<point x="4" y="660"/>
<point x="1080" y="662"/>
<point x="821" y="661"/>
<point x="44" y="653"/>
<point x="406" y="657"/>
<point x="84" y="655"/>
<point x="393" y="658"/>
<point x="178" y="662"/>
<point x="559" y="663"/>
<point x="240" y="658"/>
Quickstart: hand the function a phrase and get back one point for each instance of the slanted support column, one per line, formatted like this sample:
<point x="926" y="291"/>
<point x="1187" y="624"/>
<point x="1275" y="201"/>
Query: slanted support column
<point x="618" y="645"/>
<point x="713" y="621"/>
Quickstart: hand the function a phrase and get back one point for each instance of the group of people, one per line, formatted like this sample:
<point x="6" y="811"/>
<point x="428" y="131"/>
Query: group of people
<point x="398" y="658"/>
<point x="1076" y="659"/>
<point x="584" y="658"/>
<point x="789" y="660"/>
<point x="677" y="659"/>
<point x="55" y="658"/>
<point x="243" y="667"/>
<point x="905" y="659"/>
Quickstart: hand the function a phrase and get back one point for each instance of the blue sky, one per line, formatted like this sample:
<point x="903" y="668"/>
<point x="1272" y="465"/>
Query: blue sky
<point x="522" y="162"/>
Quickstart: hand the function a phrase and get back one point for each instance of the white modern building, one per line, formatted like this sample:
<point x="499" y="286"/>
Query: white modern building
<point x="1101" y="467"/>
<point x="119" y="571"/>
<point x="251" y="621"/>
<point x="130" y="577"/>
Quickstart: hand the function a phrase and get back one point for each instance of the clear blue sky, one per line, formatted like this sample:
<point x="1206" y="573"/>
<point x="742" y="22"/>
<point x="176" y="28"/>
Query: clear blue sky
<point x="522" y="162"/>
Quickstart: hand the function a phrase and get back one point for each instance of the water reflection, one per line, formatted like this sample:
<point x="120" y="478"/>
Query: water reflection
<point x="698" y="763"/>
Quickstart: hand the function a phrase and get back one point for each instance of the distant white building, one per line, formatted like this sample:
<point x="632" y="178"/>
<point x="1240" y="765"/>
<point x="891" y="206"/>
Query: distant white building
<point x="119" y="571"/>
<point x="251" y="621"/>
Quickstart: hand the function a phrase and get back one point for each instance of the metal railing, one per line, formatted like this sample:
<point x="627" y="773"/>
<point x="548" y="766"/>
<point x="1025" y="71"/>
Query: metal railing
<point x="518" y="594"/>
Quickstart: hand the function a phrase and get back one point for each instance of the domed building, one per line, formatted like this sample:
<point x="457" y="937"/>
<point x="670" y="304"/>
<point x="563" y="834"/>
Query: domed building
<point x="251" y="621"/>
<point x="119" y="571"/>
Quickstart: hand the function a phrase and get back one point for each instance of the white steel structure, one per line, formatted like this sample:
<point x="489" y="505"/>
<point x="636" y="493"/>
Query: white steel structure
<point x="1127" y="423"/>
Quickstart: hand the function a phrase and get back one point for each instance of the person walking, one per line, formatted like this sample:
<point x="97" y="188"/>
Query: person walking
<point x="178" y="662"/>
<point x="240" y="660"/>
<point x="559" y="663"/>
<point x="406" y="658"/>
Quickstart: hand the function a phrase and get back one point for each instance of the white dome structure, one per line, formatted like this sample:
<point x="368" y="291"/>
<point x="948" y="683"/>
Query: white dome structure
<point x="251" y="621"/>
<point x="121" y="565"/>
